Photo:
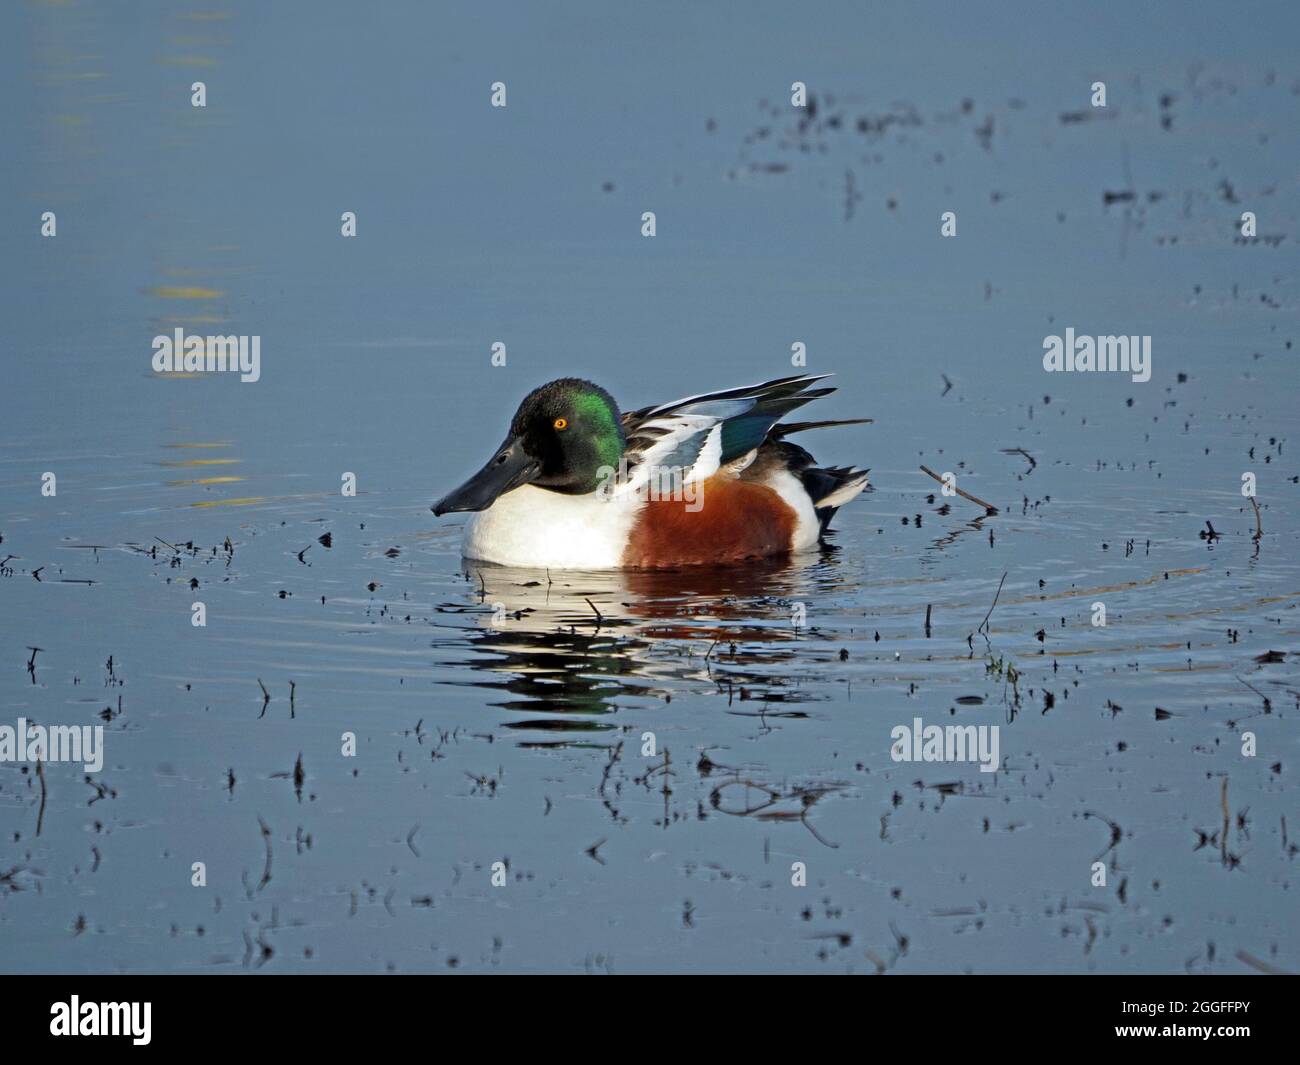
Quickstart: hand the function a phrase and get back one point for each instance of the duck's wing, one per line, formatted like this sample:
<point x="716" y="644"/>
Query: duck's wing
<point x="699" y="435"/>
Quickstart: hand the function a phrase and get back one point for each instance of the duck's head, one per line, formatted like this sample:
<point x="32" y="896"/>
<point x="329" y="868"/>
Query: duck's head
<point x="564" y="436"/>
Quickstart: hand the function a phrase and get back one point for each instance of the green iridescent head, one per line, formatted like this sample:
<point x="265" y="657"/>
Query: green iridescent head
<point x="573" y="428"/>
<point x="561" y="437"/>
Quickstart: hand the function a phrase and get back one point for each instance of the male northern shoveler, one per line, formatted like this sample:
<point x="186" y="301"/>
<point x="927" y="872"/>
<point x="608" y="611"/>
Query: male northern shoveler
<point x="708" y="479"/>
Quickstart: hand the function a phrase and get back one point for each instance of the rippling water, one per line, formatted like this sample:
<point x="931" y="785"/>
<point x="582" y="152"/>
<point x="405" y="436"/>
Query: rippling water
<point x="508" y="716"/>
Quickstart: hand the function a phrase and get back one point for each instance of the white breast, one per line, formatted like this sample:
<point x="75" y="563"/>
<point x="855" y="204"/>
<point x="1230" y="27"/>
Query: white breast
<point x="539" y="529"/>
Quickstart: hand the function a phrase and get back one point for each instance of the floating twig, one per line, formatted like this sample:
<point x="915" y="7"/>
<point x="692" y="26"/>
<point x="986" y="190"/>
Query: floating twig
<point x="989" y="507"/>
<point x="1261" y="966"/>
<point x="1023" y="454"/>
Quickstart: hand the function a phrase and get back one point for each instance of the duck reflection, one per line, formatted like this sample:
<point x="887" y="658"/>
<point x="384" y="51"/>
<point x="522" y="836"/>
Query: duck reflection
<point x="565" y="649"/>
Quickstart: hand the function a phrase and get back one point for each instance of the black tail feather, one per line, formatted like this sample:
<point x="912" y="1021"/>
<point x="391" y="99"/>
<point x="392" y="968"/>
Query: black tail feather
<point x="789" y="428"/>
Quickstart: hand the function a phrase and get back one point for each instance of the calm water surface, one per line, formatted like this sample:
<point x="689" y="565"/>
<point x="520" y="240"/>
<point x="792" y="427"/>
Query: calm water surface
<point x="500" y="715"/>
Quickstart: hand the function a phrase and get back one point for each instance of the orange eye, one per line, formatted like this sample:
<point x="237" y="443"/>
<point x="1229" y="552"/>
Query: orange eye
<point x="561" y="423"/>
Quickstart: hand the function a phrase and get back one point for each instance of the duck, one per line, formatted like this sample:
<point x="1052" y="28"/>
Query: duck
<point x="710" y="479"/>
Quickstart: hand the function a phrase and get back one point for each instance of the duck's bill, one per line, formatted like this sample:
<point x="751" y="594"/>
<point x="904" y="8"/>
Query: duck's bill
<point x="509" y="468"/>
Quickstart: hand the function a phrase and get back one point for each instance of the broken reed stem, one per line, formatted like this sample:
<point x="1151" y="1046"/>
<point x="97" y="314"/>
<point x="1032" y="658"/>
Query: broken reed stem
<point x="1223" y="799"/>
<point x="985" y="622"/>
<point x="1268" y="705"/>
<point x="266" y="838"/>
<point x="961" y="492"/>
<point x="1259" y="525"/>
<point x="40" y="773"/>
<point x="614" y="756"/>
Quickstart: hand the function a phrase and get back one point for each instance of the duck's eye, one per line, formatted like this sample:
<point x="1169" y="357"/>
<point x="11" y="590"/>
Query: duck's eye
<point x="561" y="423"/>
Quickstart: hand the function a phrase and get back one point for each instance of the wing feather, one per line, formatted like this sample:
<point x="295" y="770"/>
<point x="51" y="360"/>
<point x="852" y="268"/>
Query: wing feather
<point x="700" y="434"/>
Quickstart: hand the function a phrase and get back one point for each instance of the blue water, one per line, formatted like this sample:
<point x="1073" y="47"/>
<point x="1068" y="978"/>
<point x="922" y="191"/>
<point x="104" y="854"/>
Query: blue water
<point x="522" y="743"/>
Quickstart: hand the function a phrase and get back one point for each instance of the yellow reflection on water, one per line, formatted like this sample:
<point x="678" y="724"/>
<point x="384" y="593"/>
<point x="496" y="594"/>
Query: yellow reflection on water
<point x="246" y="501"/>
<point x="185" y="292"/>
<point x="229" y="478"/>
